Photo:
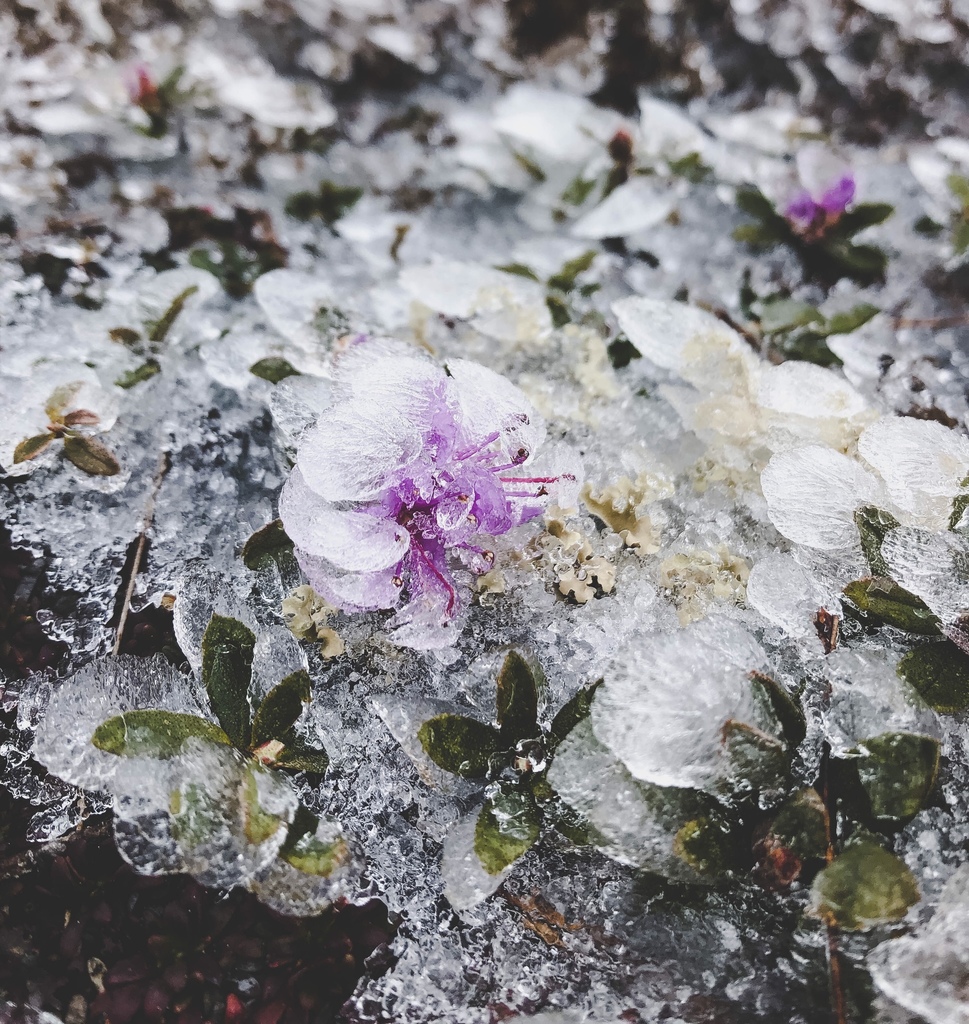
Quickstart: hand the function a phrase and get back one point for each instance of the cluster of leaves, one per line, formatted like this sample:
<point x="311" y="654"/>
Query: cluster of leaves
<point x="330" y="201"/>
<point x="511" y="757"/>
<point x="797" y="330"/>
<point x="85" y="451"/>
<point x="235" y="249"/>
<point x="562" y="286"/>
<point x="149" y="343"/>
<point x="159" y="101"/>
<point x="266" y="735"/>
<point x="831" y="255"/>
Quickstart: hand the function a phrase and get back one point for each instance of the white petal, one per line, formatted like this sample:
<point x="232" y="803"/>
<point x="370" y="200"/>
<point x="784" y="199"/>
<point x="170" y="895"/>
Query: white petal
<point x="350" y="591"/>
<point x="352" y="540"/>
<point x="812" y="494"/>
<point x="803" y="389"/>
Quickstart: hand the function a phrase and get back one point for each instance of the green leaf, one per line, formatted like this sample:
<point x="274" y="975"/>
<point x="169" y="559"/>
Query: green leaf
<point x="313" y="856"/>
<point x="227" y="650"/>
<point x="258" y="824"/>
<point x="460" y="745"/>
<point x="564" y="280"/>
<point x="151" y="732"/>
<point x="60" y="398"/>
<point x="759" y="236"/>
<point x="887" y="601"/>
<point x="809" y="346"/>
<point x="282" y="706"/>
<point x="940" y="674"/>
<point x="139" y="374"/>
<point x="517" y="700"/>
<point x="558" y="310"/>
<point x="125" y="336"/>
<point x="784" y="314"/>
<point x="520" y="270"/>
<point x="758" y="762"/>
<point x="784" y="708"/>
<point x="571" y="713"/>
<point x="267" y="542"/>
<point x="690" y="167"/>
<point x="507" y="827"/>
<point x="299" y="757"/>
<point x="927" y="227"/>
<point x="851" y="319"/>
<point x="751" y="200"/>
<point x="959" y="187"/>
<point x="90" y="455"/>
<point x="873" y="526"/>
<point x="862" y="263"/>
<point x="861" y="216"/>
<point x="801" y="825"/>
<point x="578" y="190"/>
<point x="32" y="447"/>
<point x="959" y="505"/>
<point x="622" y="352"/>
<point x="274" y="369"/>
<point x="529" y="166"/>
<point x="897" y="771"/>
<point x="703" y="843"/>
<point x="865" y="886"/>
<point x="960" y="237"/>
<point x="158" y="329"/>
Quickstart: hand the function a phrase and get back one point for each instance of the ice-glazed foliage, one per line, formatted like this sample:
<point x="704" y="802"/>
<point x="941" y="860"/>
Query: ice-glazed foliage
<point x="377" y="278"/>
<point x="413" y="465"/>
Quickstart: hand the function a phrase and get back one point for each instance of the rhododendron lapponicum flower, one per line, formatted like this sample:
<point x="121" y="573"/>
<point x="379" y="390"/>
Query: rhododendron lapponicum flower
<point x="404" y="477"/>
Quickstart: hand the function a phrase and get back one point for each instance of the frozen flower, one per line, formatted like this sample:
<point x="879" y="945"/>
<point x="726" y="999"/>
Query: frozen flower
<point x="827" y="189"/>
<point x="407" y="472"/>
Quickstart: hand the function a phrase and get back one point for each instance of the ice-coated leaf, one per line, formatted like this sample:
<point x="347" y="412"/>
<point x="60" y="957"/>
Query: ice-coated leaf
<point x="273" y="368"/>
<point x="862" y="887"/>
<point x="158" y="329"/>
<point x="517" y="699"/>
<point x="259" y="823"/>
<point x="851" y="319"/>
<point x="757" y="763"/>
<point x="60" y="400"/>
<point x="32" y="447"/>
<point x="886" y="600"/>
<point x="299" y="757"/>
<point x="139" y="374"/>
<point x="266" y="543"/>
<point x="280" y="708"/>
<point x="227" y="652"/>
<point x="90" y="455"/>
<point x="151" y="732"/>
<point x="874" y="525"/>
<point x="315" y="847"/>
<point x="897" y="771"/>
<point x="575" y="710"/>
<point x="785" y="708"/>
<point x="81" y="418"/>
<point x="812" y="494"/>
<point x="785" y="314"/>
<point x="864" y="215"/>
<point x="801" y="825"/>
<point x="940" y="674"/>
<point x="507" y="827"/>
<point x="460" y="745"/>
<point x="932" y="565"/>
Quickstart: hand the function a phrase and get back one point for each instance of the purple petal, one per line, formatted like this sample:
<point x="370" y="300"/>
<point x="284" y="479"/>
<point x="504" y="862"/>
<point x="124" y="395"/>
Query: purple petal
<point x="802" y="209"/>
<point x="351" y="591"/>
<point x="838" y="197"/>
<point x="352" y="540"/>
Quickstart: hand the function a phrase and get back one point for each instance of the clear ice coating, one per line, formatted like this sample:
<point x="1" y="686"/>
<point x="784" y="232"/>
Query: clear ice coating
<point x="336" y="263"/>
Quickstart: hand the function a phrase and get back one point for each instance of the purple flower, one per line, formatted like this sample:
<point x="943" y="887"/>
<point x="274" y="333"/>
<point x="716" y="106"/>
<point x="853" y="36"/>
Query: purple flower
<point x="407" y="473"/>
<point x="827" y="190"/>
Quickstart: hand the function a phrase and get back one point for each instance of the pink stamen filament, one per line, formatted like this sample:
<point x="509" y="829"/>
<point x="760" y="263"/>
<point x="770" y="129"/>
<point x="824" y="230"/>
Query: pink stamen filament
<point x="468" y="452"/>
<point x="452" y="596"/>
<point x="529" y="479"/>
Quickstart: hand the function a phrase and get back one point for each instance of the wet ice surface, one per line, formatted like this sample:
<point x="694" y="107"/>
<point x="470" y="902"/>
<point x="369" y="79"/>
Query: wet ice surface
<point x="719" y="482"/>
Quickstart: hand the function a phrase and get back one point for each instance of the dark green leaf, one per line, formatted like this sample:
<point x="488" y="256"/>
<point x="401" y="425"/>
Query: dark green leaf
<point x="784" y="708"/>
<point x="564" y="280"/>
<point x="517" y="700"/>
<point x="90" y="455"/>
<point x="759" y="236"/>
<point x="801" y="825"/>
<point x="873" y="526"/>
<point x="139" y="374"/>
<point x="959" y="505"/>
<point x="865" y="886"/>
<point x="558" y="310"/>
<point x="32" y="447"/>
<point x="299" y="757"/>
<point x="785" y="314"/>
<point x="887" y="601"/>
<point x="751" y="200"/>
<point x="851" y="319"/>
<point x="153" y="733"/>
<point x="227" y="649"/>
<point x="266" y="542"/>
<point x="690" y="167"/>
<point x="529" y="166"/>
<point x="158" y="329"/>
<point x="460" y="745"/>
<point x="927" y="227"/>
<point x="274" y="369"/>
<point x="862" y="263"/>
<point x="703" y="843"/>
<point x="519" y="270"/>
<point x="897" y="771"/>
<point x="125" y="336"/>
<point x="940" y="674"/>
<point x="960" y="237"/>
<point x="622" y="352"/>
<point x="281" y="708"/>
<point x="809" y="346"/>
<point x="861" y="216"/>
<point x="571" y="713"/>
<point x="758" y="762"/>
<point x="507" y="827"/>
